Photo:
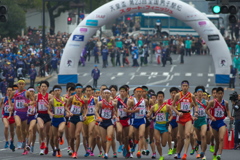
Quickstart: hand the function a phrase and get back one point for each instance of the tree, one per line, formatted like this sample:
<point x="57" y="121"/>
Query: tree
<point x="16" y="19"/>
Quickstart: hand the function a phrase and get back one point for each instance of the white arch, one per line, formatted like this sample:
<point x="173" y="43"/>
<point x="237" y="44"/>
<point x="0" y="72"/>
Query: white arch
<point x="175" y="8"/>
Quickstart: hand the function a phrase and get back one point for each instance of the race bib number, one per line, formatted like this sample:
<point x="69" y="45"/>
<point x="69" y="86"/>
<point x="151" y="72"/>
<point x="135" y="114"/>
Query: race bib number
<point x="218" y="112"/>
<point x="41" y="106"/>
<point x="106" y="113"/>
<point x="20" y="104"/>
<point x="75" y="109"/>
<point x="160" y="117"/>
<point x="122" y="113"/>
<point x="59" y="110"/>
<point x="6" y="109"/>
<point x="201" y="112"/>
<point x="185" y="106"/>
<point x="141" y="113"/>
<point x="91" y="109"/>
<point x="31" y="110"/>
<point x="174" y="114"/>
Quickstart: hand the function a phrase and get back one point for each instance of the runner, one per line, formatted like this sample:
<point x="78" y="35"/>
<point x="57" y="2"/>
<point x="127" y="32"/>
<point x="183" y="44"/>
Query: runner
<point x="107" y="114"/>
<point x="123" y="121"/>
<point x="75" y="126"/>
<point x="162" y="115"/>
<point x="138" y="106"/>
<point x="200" y="124"/>
<point x="22" y="99"/>
<point x="217" y="111"/>
<point x="70" y="89"/>
<point x="183" y="102"/>
<point x="31" y="122"/>
<point x="43" y="118"/>
<point x="173" y="126"/>
<point x="8" y="119"/>
<point x="57" y="107"/>
<point x="153" y="101"/>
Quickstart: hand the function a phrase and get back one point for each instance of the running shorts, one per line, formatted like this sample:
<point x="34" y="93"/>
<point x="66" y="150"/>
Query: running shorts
<point x="45" y="117"/>
<point x="217" y="124"/>
<point x="124" y="122"/>
<point x="200" y="122"/>
<point x="173" y="123"/>
<point x="75" y="119"/>
<point x="21" y="115"/>
<point x="106" y="123"/>
<point x="184" y="118"/>
<point x="161" y="127"/>
<point x="89" y="119"/>
<point x="30" y="118"/>
<point x="57" y="121"/>
<point x="11" y="120"/>
<point x="136" y="123"/>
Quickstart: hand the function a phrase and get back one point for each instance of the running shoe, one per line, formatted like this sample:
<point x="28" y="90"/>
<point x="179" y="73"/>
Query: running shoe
<point x="91" y="153"/>
<point x="41" y="152"/>
<point x="115" y="155"/>
<point x="184" y="157"/>
<point x="204" y="158"/>
<point x="70" y="152"/>
<point x="198" y="156"/>
<point x="218" y="157"/>
<point x="211" y="149"/>
<point x="128" y="155"/>
<point x="214" y="157"/>
<point x="175" y="156"/>
<point x="19" y="145"/>
<point x="131" y="143"/>
<point x="120" y="148"/>
<point x="131" y="155"/>
<point x="147" y="152"/>
<point x="174" y="151"/>
<point x="32" y="149"/>
<point x="6" y="144"/>
<point x="61" y="140"/>
<point x="154" y="156"/>
<point x="58" y="154"/>
<point x="100" y="154"/>
<point x="138" y="154"/>
<point x="161" y="158"/>
<point x="133" y="148"/>
<point x="46" y="150"/>
<point x="54" y="153"/>
<point x="170" y="152"/>
<point x="87" y="154"/>
<point x="28" y="148"/>
<point x="202" y="154"/>
<point x="105" y="156"/>
<point x="197" y="147"/>
<point x="68" y="149"/>
<point x="143" y="152"/>
<point x="42" y="146"/>
<point x="192" y="151"/>
<point x="74" y="155"/>
<point x="124" y="152"/>
<point x="12" y="147"/>
<point x="25" y="152"/>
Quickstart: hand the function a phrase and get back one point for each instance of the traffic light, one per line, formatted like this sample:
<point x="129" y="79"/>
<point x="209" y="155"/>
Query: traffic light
<point x="233" y="10"/>
<point x="128" y="18"/>
<point x="69" y="20"/>
<point x="216" y="9"/>
<point x="3" y="13"/>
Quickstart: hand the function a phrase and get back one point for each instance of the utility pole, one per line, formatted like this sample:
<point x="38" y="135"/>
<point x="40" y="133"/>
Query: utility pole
<point x="43" y="29"/>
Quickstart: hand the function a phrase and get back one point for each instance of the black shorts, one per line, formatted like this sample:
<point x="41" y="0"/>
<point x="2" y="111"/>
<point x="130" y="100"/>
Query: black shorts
<point x="75" y="119"/>
<point x="147" y="122"/>
<point x="67" y="120"/>
<point x="45" y="117"/>
<point x="106" y="123"/>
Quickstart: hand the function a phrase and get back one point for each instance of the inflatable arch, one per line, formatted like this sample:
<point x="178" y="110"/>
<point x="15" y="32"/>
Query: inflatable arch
<point x="175" y="8"/>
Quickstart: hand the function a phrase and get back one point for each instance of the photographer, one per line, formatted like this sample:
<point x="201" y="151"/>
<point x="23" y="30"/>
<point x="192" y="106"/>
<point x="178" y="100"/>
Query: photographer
<point x="235" y="99"/>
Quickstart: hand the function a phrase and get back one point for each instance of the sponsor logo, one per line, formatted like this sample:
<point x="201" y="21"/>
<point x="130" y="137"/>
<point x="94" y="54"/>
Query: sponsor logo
<point x="69" y="63"/>
<point x="202" y="23"/>
<point x="78" y="38"/>
<point x="100" y="16"/>
<point x="74" y="45"/>
<point x="83" y="30"/>
<point x="213" y="37"/>
<point x="92" y="22"/>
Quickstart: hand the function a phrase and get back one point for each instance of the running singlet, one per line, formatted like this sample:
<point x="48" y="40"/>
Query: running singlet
<point x="41" y="102"/>
<point x="201" y="109"/>
<point x="174" y="115"/>
<point x="6" y="106"/>
<point x="76" y="107"/>
<point x="31" y="110"/>
<point x="162" y="116"/>
<point x="142" y="109"/>
<point x="184" y="102"/>
<point x="19" y="100"/>
<point x="219" y="109"/>
<point x="120" y="107"/>
<point x="58" y="108"/>
<point x="107" y="110"/>
<point x="91" y="107"/>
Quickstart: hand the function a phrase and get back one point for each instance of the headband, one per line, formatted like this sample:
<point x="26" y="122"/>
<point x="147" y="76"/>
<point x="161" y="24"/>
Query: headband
<point x="78" y="87"/>
<point x="57" y="89"/>
<point x="31" y="89"/>
<point x="21" y="81"/>
<point x="199" y="90"/>
<point x="185" y="83"/>
<point x="97" y="90"/>
<point x="138" y="89"/>
<point x="145" y="89"/>
<point x="107" y="90"/>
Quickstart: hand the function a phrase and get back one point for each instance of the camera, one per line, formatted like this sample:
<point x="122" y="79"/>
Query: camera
<point x="234" y="98"/>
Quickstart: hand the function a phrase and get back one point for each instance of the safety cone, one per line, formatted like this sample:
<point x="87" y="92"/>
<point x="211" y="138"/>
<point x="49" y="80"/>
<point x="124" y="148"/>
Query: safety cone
<point x="231" y="139"/>
<point x="225" y="140"/>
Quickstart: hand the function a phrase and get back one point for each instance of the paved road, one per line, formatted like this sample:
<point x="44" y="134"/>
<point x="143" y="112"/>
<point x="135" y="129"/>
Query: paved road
<point x="198" y="70"/>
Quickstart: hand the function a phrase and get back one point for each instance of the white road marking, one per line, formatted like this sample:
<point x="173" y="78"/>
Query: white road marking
<point x="207" y="85"/>
<point x="161" y="81"/>
<point x="132" y="77"/>
<point x="171" y="77"/>
<point x="176" y="74"/>
<point x="163" y="89"/>
<point x="120" y="73"/>
<point x="143" y="73"/>
<point x="112" y="78"/>
<point x="167" y="84"/>
<point x="188" y="74"/>
<point x="209" y="80"/>
<point x="85" y="74"/>
<point x="165" y="73"/>
<point x="172" y="68"/>
<point x="154" y="73"/>
<point x="199" y="74"/>
<point x="127" y="83"/>
<point x="3" y="149"/>
<point x="138" y="69"/>
<point x="210" y="75"/>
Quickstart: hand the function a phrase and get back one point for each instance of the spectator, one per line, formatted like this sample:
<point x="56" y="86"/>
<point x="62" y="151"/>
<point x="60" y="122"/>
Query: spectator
<point x="33" y="75"/>
<point x="10" y="75"/>
<point x="96" y="53"/>
<point x="54" y="64"/>
<point x="3" y="86"/>
<point x="105" y="56"/>
<point x="95" y="75"/>
<point x="135" y="55"/>
<point x="181" y="52"/>
<point x="233" y="72"/>
<point x="236" y="32"/>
